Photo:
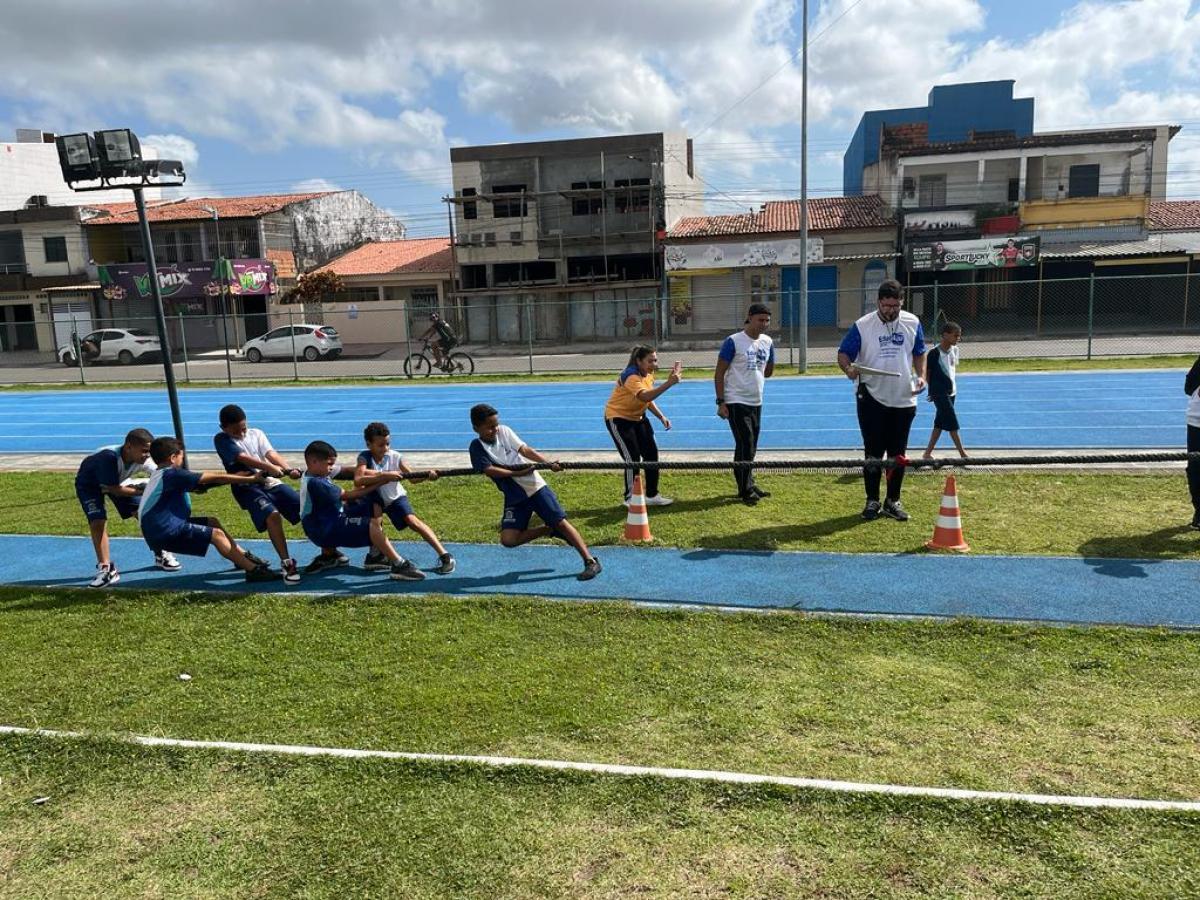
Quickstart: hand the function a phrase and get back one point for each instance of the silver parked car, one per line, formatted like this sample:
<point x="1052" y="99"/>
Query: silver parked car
<point x="122" y="345"/>
<point x="310" y="342"/>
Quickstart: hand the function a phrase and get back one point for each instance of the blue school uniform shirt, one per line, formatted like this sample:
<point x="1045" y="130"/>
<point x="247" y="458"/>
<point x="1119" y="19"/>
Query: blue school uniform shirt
<point x="166" y="503"/>
<point x="320" y="505"/>
<point x="105" y="467"/>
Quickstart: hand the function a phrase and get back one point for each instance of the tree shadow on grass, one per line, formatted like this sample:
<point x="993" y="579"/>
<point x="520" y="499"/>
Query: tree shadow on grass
<point x="598" y="517"/>
<point x="1123" y="556"/>
<point x="799" y="532"/>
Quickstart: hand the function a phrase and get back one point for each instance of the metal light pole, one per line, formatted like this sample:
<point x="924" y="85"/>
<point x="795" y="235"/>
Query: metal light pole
<point x="803" y="339"/>
<point x="224" y="304"/>
<point x="159" y="317"/>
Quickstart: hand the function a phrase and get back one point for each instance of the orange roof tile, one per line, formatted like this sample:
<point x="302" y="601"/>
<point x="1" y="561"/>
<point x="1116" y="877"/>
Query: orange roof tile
<point x="825" y="214"/>
<point x="192" y="208"/>
<point x="1174" y="215"/>
<point x="285" y="263"/>
<point x="432" y="255"/>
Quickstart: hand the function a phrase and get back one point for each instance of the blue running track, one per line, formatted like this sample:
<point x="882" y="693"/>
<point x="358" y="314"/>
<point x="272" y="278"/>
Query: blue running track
<point x="1052" y="589"/>
<point x="1143" y="409"/>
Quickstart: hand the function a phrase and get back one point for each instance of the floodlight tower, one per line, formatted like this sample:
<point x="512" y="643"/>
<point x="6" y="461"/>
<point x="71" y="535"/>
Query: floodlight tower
<point x="116" y="154"/>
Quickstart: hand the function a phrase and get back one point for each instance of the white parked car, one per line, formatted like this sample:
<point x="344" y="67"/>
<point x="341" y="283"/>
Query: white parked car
<point x="123" y="345"/>
<point x="311" y="342"/>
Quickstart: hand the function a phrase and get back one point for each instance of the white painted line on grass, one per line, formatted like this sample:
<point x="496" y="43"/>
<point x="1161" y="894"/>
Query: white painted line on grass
<point x="819" y="784"/>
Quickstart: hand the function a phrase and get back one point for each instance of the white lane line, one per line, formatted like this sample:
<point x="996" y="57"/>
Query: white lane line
<point x="820" y="784"/>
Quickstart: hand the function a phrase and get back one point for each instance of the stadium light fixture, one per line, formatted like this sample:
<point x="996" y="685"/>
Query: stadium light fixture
<point x="78" y="158"/>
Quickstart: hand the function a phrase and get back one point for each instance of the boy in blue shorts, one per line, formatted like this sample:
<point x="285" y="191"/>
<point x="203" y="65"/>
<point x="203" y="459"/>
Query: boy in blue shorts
<point x="328" y="523"/>
<point x="382" y="470"/>
<point x="106" y="473"/>
<point x="501" y="455"/>
<point x="244" y="451"/>
<point x="941" y="366"/>
<point x="167" y="522"/>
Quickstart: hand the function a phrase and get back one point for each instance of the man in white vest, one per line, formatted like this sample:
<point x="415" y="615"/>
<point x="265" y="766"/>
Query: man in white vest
<point x="886" y="340"/>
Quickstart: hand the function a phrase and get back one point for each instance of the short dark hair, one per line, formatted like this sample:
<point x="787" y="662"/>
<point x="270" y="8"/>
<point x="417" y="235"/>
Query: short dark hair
<point x="889" y="287"/>
<point x="320" y="450"/>
<point x="375" y="430"/>
<point x="758" y="309"/>
<point x="138" y="437"/>
<point x="949" y="327"/>
<point x="163" y="448"/>
<point x="231" y="415"/>
<point x="481" y="412"/>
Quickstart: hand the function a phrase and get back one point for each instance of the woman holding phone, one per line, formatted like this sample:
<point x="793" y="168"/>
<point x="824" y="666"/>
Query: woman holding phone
<point x="626" y="421"/>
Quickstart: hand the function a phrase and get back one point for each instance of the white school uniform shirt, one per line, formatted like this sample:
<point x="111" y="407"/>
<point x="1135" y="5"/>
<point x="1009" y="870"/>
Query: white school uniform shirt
<point x="890" y="346"/>
<point x="1193" y="408"/>
<point x="948" y="360"/>
<point x="505" y="452"/>
<point x="255" y="443"/>
<point x="389" y="491"/>
<point x="748" y="359"/>
<point x="127" y="472"/>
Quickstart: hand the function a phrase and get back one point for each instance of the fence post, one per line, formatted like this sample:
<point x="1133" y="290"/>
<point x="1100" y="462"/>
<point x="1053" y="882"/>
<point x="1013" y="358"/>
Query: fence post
<point x="77" y="346"/>
<point x="529" y="330"/>
<point x="292" y="330"/>
<point x="187" y="374"/>
<point x="1186" y="284"/>
<point x="791" y="310"/>
<point x="935" y="309"/>
<point x="1091" y="310"/>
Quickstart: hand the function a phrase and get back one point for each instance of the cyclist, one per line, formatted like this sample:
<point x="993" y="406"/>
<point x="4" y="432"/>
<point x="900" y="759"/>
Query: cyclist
<point x="441" y="339"/>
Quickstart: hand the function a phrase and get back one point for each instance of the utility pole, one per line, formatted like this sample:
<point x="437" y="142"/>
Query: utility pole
<point x="803" y="339"/>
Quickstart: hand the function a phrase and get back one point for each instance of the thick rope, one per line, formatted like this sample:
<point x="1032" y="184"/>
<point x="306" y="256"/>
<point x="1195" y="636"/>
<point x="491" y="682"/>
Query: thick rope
<point x="1075" y="459"/>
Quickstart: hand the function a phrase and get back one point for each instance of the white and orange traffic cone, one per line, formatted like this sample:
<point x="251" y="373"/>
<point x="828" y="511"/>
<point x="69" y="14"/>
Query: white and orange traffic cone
<point x="948" y="533"/>
<point x="637" y="522"/>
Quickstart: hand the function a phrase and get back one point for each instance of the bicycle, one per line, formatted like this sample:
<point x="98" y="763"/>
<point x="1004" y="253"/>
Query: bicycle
<point x="422" y="363"/>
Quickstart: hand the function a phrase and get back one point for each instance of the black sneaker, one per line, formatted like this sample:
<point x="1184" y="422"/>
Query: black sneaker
<point x="321" y="562"/>
<point x="445" y="564"/>
<point x="895" y="510"/>
<point x="1195" y="526"/>
<point x="406" y="571"/>
<point x="750" y="498"/>
<point x="257" y="560"/>
<point x="376" y="562"/>
<point x="262" y="573"/>
<point x="591" y="569"/>
<point x="760" y="492"/>
<point x="872" y="510"/>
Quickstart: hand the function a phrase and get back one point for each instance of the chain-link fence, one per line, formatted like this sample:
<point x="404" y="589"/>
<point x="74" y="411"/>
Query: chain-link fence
<point x="1089" y="317"/>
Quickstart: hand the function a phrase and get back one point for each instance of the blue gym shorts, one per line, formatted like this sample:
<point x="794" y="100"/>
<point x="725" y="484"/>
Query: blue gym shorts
<point x="260" y="502"/>
<point x="92" y="501"/>
<point x="945" y="417"/>
<point x="348" y="531"/>
<point x="193" y="538"/>
<point x="544" y="503"/>
<point x="397" y="512"/>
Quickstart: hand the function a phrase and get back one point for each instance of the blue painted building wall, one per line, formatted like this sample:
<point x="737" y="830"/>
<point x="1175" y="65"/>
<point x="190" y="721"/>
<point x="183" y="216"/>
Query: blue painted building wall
<point x="952" y="113"/>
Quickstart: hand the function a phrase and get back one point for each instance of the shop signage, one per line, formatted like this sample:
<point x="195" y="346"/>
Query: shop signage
<point x="997" y="253"/>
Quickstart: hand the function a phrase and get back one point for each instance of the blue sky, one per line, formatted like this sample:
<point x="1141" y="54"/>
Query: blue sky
<point x="273" y="96"/>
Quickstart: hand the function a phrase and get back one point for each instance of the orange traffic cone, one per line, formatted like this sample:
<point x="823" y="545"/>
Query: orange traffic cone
<point x="947" y="533"/>
<point x="637" y="523"/>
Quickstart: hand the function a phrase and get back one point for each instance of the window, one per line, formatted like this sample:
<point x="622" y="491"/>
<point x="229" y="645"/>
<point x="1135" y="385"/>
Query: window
<point x="1014" y="190"/>
<point x="515" y="238"/>
<point x="1084" y="181"/>
<point x="509" y="207"/>
<point x="933" y="190"/>
<point x="587" y="206"/>
<point x="489" y="239"/>
<point x="635" y="196"/>
<point x="470" y="208"/>
<point x="55" y="249"/>
<point x="908" y="188"/>
<point x="764" y="287"/>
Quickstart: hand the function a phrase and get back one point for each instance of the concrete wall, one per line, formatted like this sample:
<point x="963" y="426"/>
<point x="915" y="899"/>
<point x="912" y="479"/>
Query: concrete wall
<point x="30" y="169"/>
<point x="33" y="233"/>
<point x="334" y="223"/>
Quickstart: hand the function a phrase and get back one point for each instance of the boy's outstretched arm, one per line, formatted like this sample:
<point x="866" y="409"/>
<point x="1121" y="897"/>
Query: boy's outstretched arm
<point x="531" y="454"/>
<point x="207" y="478"/>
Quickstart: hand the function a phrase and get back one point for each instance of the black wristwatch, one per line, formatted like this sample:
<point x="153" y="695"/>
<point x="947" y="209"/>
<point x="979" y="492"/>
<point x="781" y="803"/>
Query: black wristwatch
<point x="720" y="401"/>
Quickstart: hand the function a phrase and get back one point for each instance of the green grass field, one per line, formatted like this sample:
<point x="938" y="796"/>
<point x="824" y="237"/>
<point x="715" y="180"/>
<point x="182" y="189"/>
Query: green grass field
<point x="1105" y="711"/>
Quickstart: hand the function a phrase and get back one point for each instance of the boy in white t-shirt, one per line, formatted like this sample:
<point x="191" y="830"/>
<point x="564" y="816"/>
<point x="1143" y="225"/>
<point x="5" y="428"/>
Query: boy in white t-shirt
<point x="502" y="456"/>
<point x="941" y="368"/>
<point x="745" y="359"/>
<point x="381" y="467"/>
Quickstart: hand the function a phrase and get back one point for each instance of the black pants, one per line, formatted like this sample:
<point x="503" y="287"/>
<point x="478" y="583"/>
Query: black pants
<point x="1193" y="467"/>
<point x="635" y="442"/>
<point x="745" y="422"/>
<point x="884" y="432"/>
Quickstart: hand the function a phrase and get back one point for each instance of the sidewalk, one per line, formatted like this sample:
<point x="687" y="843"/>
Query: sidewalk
<point x="1047" y="589"/>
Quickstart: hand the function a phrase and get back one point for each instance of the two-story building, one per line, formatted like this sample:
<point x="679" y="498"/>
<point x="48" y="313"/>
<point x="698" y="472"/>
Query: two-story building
<point x="561" y="240"/>
<point x="268" y="240"/>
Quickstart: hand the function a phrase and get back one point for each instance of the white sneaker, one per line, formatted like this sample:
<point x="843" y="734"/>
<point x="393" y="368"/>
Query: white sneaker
<point x="659" y="500"/>
<point x="291" y="572"/>
<point x="105" y="575"/>
<point x="167" y="562"/>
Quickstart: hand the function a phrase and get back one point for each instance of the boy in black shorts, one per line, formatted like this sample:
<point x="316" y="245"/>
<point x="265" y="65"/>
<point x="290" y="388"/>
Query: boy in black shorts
<point x="941" y="368"/>
<point x="167" y="522"/>
<point x="501" y="455"/>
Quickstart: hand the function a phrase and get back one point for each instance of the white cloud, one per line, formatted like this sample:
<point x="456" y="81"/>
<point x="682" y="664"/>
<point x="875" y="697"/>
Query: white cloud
<point x="315" y="185"/>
